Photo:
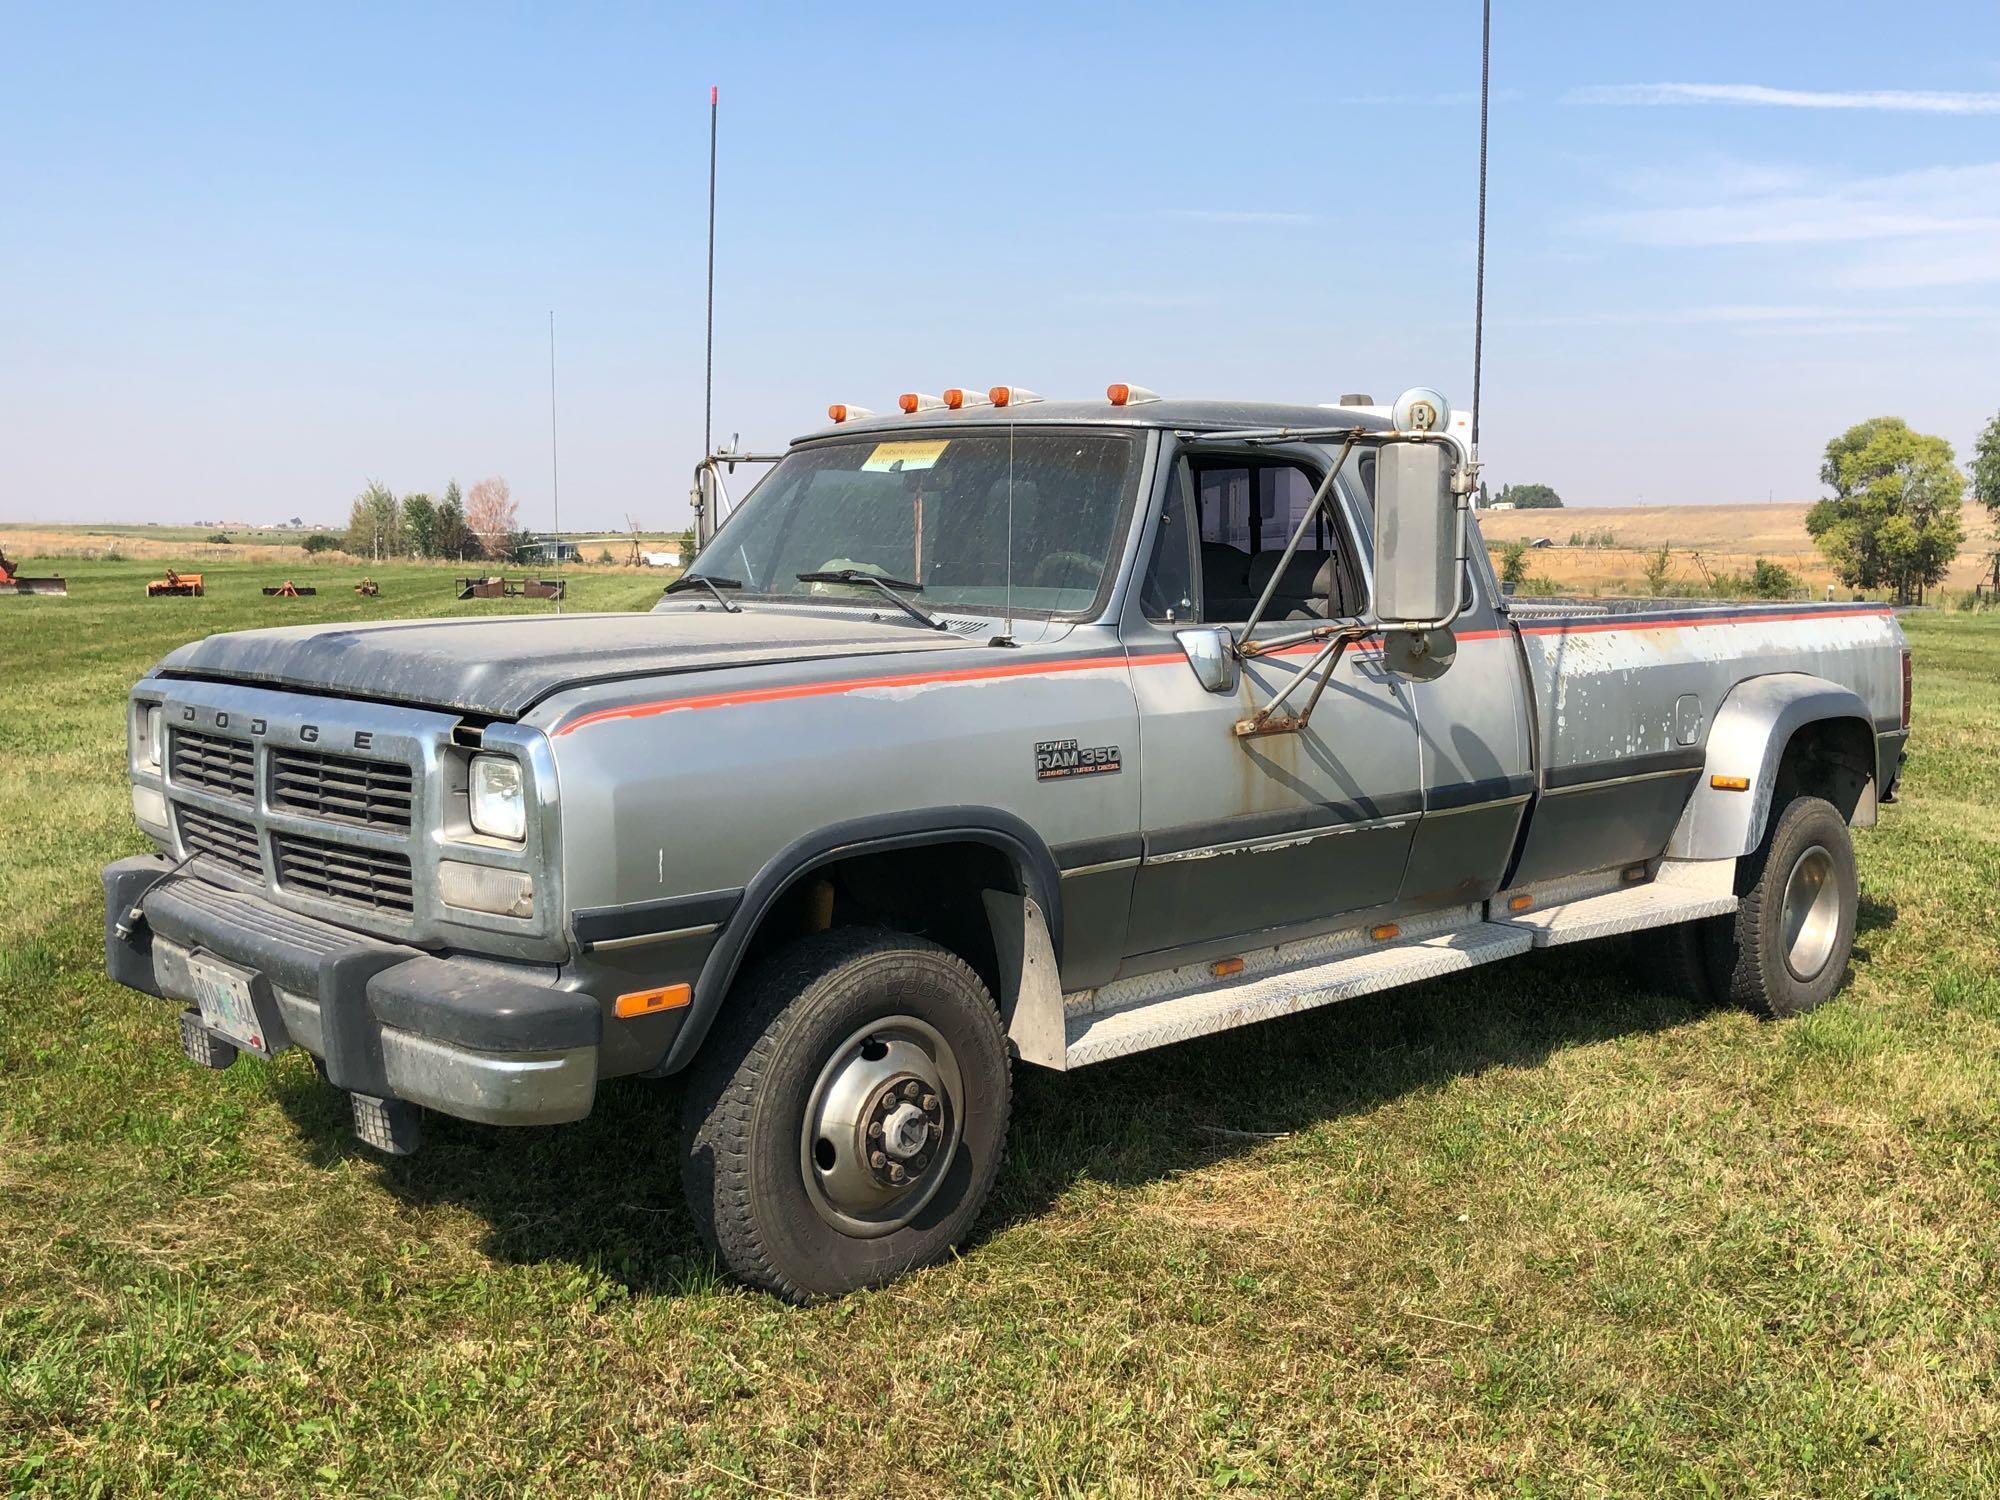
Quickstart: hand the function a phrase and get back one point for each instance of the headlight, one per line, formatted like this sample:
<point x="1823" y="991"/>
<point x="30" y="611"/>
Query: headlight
<point x="499" y="806"/>
<point x="154" y="739"/>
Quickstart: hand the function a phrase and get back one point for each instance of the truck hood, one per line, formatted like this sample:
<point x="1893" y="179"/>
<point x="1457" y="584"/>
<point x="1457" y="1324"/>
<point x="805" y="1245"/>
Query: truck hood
<point x="501" y="667"/>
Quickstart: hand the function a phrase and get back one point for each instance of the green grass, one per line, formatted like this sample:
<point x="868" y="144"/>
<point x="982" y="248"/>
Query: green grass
<point x="1541" y="1232"/>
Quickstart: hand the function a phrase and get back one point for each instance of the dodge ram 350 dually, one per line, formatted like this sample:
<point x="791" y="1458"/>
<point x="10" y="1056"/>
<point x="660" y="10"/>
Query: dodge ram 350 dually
<point x="997" y="729"/>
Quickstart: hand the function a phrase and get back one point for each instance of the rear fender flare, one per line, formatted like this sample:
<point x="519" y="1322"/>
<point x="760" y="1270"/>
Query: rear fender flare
<point x="882" y="833"/>
<point x="1748" y="738"/>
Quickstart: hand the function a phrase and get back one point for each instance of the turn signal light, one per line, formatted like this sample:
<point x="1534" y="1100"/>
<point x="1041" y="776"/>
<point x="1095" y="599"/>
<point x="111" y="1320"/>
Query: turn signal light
<point x="650" y="1002"/>
<point x="1730" y="783"/>
<point x="912" y="401"/>
<point x="1011" y="395"/>
<point x="958" y="398"/>
<point x="1223" y="968"/>
<point x="1129" y="395"/>
<point x="1520" y="903"/>
<point x="1386" y="931"/>
<point x="840" y="411"/>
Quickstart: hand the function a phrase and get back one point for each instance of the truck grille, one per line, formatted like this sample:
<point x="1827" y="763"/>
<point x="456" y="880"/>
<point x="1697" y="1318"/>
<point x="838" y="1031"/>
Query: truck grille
<point x="229" y="841"/>
<point x="372" y="878"/>
<point x="341" y="788"/>
<point x="225" y="767"/>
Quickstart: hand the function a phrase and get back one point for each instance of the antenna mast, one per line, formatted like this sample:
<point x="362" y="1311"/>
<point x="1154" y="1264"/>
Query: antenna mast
<point x="555" y="471"/>
<point x="708" y="375"/>
<point x="1479" y="288"/>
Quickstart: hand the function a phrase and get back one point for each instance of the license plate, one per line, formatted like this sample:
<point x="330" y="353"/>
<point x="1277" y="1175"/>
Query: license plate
<point x="223" y="994"/>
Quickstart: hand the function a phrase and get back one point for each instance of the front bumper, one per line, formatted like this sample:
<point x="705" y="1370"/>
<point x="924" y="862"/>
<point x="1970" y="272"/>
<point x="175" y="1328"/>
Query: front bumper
<point x="464" y="1036"/>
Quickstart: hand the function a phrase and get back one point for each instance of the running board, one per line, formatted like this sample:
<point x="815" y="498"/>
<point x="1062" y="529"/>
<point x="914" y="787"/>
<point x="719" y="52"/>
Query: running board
<point x="1156" y="1010"/>
<point x="1603" y="905"/>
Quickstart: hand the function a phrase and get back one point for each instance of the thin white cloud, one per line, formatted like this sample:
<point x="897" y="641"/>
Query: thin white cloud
<point x="1936" y="204"/>
<point x="1903" y="101"/>
<point x="1241" y="216"/>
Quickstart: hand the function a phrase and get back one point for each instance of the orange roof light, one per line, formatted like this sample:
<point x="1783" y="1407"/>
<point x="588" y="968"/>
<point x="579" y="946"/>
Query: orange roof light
<point x="1011" y="395"/>
<point x="958" y="398"/>
<point x="1121" y="394"/>
<point x="840" y="411"/>
<point x="913" y="402"/>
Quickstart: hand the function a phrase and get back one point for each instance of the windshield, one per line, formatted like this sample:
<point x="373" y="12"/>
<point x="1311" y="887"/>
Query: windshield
<point x="936" y="512"/>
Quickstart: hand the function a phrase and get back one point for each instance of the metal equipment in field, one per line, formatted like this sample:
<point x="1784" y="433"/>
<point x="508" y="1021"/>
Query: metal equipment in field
<point x="497" y="587"/>
<point x="176" y="586"/>
<point x="15" y="583"/>
<point x="288" y="590"/>
<point x="368" y="588"/>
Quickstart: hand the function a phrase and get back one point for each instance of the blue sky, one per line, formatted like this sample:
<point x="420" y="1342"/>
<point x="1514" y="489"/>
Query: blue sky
<point x="254" y="257"/>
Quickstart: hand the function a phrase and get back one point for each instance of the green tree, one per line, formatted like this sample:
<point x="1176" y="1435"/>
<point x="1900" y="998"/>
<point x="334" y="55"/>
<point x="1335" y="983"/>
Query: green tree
<point x="1769" y="580"/>
<point x="1529" y="497"/>
<point x="1893" y="520"/>
<point x="1514" y="562"/>
<point x="420" y="524"/>
<point x="449" y="536"/>
<point x="1657" y="564"/>
<point x="319" y="541"/>
<point x="375" y="523"/>
<point x="1986" y="467"/>
<point x="1485" y="496"/>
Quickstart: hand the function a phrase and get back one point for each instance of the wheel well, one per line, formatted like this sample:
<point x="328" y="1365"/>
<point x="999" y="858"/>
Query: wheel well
<point x="1830" y="758"/>
<point x="932" y="890"/>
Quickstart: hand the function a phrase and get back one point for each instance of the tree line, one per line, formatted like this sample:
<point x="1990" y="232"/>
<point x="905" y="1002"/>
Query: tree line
<point x="481" y="523"/>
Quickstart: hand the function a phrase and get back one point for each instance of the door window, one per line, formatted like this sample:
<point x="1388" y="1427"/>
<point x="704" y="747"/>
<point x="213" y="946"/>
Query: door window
<point x="1246" y="513"/>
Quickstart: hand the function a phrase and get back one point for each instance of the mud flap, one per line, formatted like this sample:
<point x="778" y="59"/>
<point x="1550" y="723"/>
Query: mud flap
<point x="1031" y="1002"/>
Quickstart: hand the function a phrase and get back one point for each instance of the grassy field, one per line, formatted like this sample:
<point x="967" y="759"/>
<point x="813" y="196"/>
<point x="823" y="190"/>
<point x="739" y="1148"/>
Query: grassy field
<point x="1541" y="1232"/>
<point x="1728" y="538"/>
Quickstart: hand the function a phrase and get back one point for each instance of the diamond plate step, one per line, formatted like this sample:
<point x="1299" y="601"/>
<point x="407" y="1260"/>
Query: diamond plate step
<point x="1140" y="1024"/>
<point x="1631" y="909"/>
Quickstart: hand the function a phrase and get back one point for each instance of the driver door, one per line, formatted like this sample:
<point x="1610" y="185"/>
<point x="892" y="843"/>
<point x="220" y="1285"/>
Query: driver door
<point x="1260" y="838"/>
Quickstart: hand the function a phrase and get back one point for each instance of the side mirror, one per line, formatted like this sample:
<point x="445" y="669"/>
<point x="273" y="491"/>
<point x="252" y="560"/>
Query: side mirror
<point x="1211" y="651"/>
<point x="707" y="492"/>
<point x="1416" y="535"/>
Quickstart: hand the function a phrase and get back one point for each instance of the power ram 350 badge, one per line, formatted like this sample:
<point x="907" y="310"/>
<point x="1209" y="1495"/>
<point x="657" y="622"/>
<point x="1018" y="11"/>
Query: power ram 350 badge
<point x="1057" y="759"/>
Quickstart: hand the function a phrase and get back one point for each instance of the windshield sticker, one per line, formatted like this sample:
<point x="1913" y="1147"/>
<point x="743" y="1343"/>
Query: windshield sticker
<point x="1058" y="760"/>
<point x="904" y="457"/>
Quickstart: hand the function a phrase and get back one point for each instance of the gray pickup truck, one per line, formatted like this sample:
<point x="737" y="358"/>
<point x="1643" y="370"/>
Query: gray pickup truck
<point x="1006" y="729"/>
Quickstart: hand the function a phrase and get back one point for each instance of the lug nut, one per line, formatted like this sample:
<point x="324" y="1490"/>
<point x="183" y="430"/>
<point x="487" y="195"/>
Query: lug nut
<point x="921" y="1162"/>
<point x="895" y="1173"/>
<point x="930" y="1104"/>
<point x="874" y="1130"/>
<point x="911" y="1089"/>
<point x="876" y="1160"/>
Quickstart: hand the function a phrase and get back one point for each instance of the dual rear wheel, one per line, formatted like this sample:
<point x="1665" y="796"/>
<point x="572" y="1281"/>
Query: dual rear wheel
<point x="1786" y="949"/>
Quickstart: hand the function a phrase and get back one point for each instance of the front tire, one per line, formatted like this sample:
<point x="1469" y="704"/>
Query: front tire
<point x="1788" y="948"/>
<point x="845" y="1121"/>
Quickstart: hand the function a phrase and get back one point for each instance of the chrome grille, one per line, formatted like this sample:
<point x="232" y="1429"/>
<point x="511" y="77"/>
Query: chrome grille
<point x="342" y="788"/>
<point x="228" y="841"/>
<point x="373" y="878"/>
<point x="225" y="767"/>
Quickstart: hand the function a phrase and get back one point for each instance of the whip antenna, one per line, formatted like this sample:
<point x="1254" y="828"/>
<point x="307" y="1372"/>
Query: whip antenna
<point x="708" y="374"/>
<point x="555" y="472"/>
<point x="1479" y="283"/>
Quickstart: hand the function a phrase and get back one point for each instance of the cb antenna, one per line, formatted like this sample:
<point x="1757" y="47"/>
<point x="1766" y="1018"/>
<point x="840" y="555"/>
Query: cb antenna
<point x="555" y="472"/>
<point x="1479" y="282"/>
<point x="708" y="376"/>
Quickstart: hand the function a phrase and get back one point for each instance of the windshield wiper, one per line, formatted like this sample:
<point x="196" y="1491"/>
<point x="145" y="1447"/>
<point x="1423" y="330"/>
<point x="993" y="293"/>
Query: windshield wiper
<point x="713" y="584"/>
<point x="892" y="589"/>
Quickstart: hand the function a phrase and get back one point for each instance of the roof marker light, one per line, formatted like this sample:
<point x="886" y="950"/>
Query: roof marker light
<point x="913" y="402"/>
<point x="959" y="397"/>
<point x="840" y="411"/>
<point x="1011" y="395"/>
<point x="1129" y="395"/>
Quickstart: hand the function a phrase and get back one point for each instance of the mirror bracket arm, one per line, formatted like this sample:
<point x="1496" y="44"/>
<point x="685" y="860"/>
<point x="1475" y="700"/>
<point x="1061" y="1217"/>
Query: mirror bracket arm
<point x="1271" y="718"/>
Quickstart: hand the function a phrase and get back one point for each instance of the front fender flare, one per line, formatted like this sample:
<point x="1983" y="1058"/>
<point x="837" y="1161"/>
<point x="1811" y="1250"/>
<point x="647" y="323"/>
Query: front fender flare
<point x="1748" y="738"/>
<point x="881" y="833"/>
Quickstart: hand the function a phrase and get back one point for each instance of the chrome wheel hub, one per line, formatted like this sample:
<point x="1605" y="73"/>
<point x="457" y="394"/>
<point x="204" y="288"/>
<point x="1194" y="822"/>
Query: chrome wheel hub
<point x="881" y="1126"/>
<point x="1811" y="915"/>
